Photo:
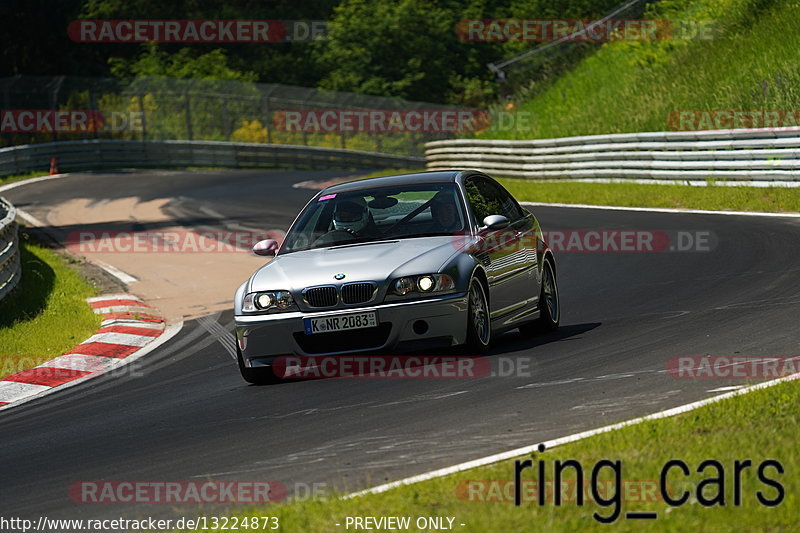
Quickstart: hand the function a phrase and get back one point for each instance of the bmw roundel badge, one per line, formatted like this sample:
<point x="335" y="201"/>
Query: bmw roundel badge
<point x="339" y="276"/>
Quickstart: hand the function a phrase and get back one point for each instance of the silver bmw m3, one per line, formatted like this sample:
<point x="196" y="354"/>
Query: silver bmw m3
<point x="398" y="263"/>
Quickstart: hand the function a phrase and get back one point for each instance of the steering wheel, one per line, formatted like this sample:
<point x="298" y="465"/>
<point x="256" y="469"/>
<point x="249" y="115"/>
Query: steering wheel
<point x="334" y="236"/>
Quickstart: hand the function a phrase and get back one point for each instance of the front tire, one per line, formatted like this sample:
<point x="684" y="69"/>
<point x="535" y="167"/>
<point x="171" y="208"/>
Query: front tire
<point x="256" y="376"/>
<point x="479" y="327"/>
<point x="549" y="304"/>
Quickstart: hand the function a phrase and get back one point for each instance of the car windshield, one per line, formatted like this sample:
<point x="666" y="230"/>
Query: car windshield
<point x="388" y="213"/>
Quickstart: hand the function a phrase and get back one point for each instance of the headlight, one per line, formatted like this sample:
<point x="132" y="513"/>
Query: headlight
<point x="266" y="301"/>
<point x="426" y="284"/>
<point x="263" y="300"/>
<point x="283" y="300"/>
<point x="403" y="286"/>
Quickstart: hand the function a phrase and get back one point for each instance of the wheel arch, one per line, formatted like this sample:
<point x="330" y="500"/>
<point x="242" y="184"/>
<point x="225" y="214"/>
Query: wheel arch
<point x="480" y="274"/>
<point x="548" y="255"/>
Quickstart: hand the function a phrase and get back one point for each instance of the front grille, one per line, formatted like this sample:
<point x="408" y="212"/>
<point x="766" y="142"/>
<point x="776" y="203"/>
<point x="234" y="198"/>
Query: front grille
<point x="340" y="341"/>
<point x="321" y="296"/>
<point x="358" y="293"/>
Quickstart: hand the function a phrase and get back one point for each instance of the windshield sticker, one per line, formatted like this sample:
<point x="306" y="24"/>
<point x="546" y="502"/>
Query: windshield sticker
<point x="326" y="197"/>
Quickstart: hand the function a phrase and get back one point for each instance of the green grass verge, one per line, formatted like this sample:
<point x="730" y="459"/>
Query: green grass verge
<point x="714" y="198"/>
<point x="47" y="314"/>
<point x="750" y="64"/>
<point x="758" y="426"/>
<point x="20" y="177"/>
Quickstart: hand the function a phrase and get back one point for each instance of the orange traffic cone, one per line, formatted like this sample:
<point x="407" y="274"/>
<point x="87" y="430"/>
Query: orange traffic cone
<point x="53" y="166"/>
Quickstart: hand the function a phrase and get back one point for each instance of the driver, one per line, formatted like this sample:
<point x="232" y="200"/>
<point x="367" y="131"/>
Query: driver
<point x="444" y="213"/>
<point x="352" y="216"/>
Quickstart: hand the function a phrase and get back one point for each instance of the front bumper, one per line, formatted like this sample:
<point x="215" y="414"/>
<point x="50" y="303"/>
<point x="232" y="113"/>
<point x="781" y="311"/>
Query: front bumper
<point x="261" y="338"/>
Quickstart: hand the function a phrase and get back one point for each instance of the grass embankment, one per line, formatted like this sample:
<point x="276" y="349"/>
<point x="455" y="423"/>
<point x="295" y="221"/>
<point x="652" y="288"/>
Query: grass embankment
<point x="758" y="426"/>
<point x="714" y="198"/>
<point x="750" y="63"/>
<point x="47" y="313"/>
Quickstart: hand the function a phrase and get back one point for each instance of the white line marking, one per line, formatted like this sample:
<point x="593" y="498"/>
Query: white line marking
<point x="132" y="323"/>
<point x="141" y="309"/>
<point x="107" y="297"/>
<point x="726" y="389"/>
<point x="562" y="440"/>
<point x="15" y="184"/>
<point x="114" y="271"/>
<point x="665" y="210"/>
<point x="30" y="219"/>
<point x="124" y="277"/>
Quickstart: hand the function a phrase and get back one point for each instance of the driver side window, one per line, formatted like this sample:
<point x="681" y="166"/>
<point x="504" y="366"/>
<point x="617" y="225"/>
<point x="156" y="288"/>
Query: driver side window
<point x="486" y="199"/>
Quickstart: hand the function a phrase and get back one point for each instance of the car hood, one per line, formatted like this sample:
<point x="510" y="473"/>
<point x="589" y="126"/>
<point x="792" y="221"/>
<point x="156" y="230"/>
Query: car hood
<point x="376" y="261"/>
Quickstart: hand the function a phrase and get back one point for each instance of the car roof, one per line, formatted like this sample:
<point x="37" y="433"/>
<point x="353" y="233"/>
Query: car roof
<point x="436" y="176"/>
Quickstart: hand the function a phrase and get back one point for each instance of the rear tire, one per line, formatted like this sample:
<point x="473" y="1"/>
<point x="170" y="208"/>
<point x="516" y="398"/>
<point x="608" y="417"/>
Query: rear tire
<point x="256" y="376"/>
<point x="479" y="326"/>
<point x="549" y="304"/>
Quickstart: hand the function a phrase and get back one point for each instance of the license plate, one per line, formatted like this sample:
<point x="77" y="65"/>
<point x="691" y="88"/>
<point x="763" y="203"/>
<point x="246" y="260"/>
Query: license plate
<point x="327" y="324"/>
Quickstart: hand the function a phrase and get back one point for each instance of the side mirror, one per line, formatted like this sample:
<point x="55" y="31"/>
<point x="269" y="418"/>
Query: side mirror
<point x="267" y="247"/>
<point x="493" y="222"/>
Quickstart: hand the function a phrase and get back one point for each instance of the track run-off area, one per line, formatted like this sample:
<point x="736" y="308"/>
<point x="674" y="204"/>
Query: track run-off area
<point x="713" y="285"/>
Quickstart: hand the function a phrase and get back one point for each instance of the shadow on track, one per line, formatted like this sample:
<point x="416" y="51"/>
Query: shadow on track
<point x="406" y="364"/>
<point x="514" y="341"/>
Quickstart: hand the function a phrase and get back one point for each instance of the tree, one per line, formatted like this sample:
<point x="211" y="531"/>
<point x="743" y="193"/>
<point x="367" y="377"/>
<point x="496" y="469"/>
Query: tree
<point x="182" y="64"/>
<point x="407" y="49"/>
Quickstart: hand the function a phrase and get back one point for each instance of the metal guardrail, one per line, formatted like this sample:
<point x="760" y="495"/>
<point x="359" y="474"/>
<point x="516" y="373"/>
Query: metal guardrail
<point x="10" y="270"/>
<point x="771" y="154"/>
<point x="111" y="153"/>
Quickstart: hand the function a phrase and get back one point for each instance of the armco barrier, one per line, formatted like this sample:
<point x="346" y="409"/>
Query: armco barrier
<point x="10" y="271"/>
<point x="107" y="153"/>
<point x="747" y="155"/>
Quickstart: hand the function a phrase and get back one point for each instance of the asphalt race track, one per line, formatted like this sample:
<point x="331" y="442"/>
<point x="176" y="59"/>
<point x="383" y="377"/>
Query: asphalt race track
<point x="187" y="415"/>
